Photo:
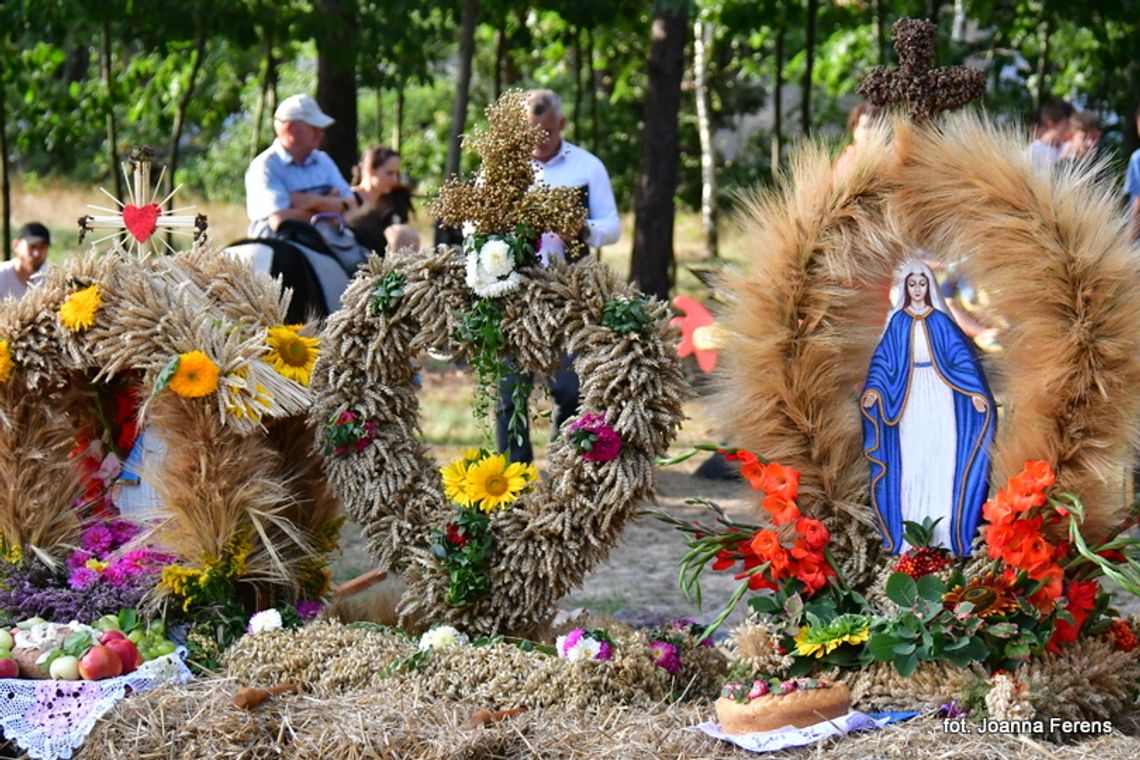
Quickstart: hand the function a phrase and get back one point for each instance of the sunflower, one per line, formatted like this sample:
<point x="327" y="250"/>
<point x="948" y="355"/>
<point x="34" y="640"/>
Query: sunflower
<point x="492" y="483"/>
<point x="6" y="365"/>
<point x="821" y="640"/>
<point x="77" y="312"/>
<point x="291" y="355"/>
<point x="195" y="376"/>
<point x="455" y="482"/>
<point x="992" y="596"/>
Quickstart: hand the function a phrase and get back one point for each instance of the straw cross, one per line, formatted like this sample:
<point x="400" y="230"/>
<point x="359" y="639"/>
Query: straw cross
<point x="916" y="85"/>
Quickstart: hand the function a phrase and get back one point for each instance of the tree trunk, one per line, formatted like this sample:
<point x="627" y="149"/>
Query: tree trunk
<point x="5" y="180"/>
<point x="593" y="90"/>
<point x="575" y="125"/>
<point x="880" y="31"/>
<point x="336" y="81"/>
<point x="703" y="34"/>
<point x="809" y="63"/>
<point x="1042" y="92"/>
<point x="112" y="135"/>
<point x="651" y="265"/>
<point x="500" y="57"/>
<point x="398" y="127"/>
<point x="380" y="114"/>
<point x="263" y="91"/>
<point x="470" y="19"/>
<point x="778" y="97"/>
<point x="184" y="103"/>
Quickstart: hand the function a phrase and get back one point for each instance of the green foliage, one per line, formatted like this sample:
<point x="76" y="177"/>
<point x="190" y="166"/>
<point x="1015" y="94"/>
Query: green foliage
<point x="388" y="288"/>
<point x="625" y="316"/>
<point x="463" y="548"/>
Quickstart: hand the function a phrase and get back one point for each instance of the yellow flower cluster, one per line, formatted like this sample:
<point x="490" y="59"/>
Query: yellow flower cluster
<point x="291" y="354"/>
<point x="6" y="365"/>
<point x="486" y="481"/>
<point x="77" y="312"/>
<point x="198" y="584"/>
<point x="245" y="402"/>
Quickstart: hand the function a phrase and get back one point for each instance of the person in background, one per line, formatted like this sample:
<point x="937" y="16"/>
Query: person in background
<point x="1052" y="131"/>
<point x="292" y="178"/>
<point x="557" y="163"/>
<point x="25" y="270"/>
<point x="383" y="202"/>
<point x="1084" y="137"/>
<point x="860" y="119"/>
<point x="1132" y="186"/>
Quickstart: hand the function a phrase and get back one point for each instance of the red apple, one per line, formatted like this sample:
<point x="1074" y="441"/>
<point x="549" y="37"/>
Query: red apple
<point x="100" y="662"/>
<point x="128" y="653"/>
<point x="9" y="668"/>
<point x="109" y="636"/>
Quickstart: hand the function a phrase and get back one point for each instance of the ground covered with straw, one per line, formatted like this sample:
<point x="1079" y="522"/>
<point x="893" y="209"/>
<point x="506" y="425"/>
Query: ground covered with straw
<point x="200" y="721"/>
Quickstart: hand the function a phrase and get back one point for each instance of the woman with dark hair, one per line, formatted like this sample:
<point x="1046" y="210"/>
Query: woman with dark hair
<point x="384" y="201"/>
<point x="928" y="420"/>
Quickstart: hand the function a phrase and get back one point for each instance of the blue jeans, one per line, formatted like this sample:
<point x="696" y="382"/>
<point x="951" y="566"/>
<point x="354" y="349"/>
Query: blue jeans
<point x="563" y="388"/>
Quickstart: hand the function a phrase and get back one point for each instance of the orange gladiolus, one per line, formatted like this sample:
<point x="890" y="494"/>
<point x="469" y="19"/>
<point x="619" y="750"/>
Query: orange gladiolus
<point x="999" y="510"/>
<point x="765" y="543"/>
<point x="783" y="511"/>
<point x="777" y="480"/>
<point x="1038" y="475"/>
<point x="1045" y="598"/>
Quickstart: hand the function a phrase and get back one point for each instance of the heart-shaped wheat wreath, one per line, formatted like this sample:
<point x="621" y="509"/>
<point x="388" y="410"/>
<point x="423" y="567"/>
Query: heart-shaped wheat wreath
<point x="546" y="541"/>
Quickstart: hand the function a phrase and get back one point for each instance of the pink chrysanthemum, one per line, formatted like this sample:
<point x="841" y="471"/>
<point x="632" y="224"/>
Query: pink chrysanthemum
<point x="308" y="609"/>
<point x="97" y="539"/>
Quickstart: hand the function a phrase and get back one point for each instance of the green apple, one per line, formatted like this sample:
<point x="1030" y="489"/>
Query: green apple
<point x="65" y="668"/>
<point x="6" y="640"/>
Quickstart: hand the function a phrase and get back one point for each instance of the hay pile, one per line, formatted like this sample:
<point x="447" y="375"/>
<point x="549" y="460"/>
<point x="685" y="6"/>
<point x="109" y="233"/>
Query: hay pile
<point x="199" y="721"/>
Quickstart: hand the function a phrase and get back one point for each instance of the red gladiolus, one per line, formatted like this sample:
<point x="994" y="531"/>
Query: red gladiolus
<point x="1047" y="595"/>
<point x="814" y="532"/>
<point x="1081" y="601"/>
<point x="999" y="510"/>
<point x="765" y="543"/>
<point x="1038" y="475"/>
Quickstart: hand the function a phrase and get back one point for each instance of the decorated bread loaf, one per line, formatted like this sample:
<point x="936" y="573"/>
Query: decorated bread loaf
<point x="745" y="708"/>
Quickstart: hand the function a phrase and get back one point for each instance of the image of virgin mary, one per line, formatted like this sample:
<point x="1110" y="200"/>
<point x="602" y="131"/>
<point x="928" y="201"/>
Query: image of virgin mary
<point x="928" y="420"/>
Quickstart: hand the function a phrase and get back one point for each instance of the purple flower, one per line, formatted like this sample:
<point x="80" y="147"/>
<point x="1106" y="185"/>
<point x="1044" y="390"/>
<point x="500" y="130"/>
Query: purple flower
<point x="134" y="563"/>
<point x="665" y="655"/>
<point x="82" y="577"/>
<point x="97" y="539"/>
<point x="605" y="651"/>
<point x="123" y="531"/>
<point x="572" y="637"/>
<point x="307" y="609"/>
<point x="78" y="559"/>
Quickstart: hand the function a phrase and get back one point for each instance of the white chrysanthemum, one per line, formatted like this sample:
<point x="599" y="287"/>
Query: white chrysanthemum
<point x="586" y="649"/>
<point x="495" y="258"/>
<point x="266" y="620"/>
<point x="469" y="229"/>
<point x="441" y="637"/>
<point x="484" y="284"/>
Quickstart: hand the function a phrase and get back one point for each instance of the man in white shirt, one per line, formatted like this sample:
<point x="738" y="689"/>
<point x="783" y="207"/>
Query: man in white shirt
<point x="25" y="270"/>
<point x="558" y="163"/>
<point x="292" y="179"/>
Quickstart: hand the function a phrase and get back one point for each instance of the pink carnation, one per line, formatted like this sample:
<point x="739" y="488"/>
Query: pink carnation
<point x="606" y="443"/>
<point x="308" y="609"/>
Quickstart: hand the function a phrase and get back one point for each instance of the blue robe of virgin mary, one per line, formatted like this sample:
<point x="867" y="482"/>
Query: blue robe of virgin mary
<point x="889" y="376"/>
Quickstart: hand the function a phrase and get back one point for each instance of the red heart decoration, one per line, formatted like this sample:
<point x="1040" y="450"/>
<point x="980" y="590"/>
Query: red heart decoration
<point x="141" y="220"/>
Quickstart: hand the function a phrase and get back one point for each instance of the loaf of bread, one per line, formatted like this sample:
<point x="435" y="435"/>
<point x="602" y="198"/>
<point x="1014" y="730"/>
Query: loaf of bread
<point x="760" y="706"/>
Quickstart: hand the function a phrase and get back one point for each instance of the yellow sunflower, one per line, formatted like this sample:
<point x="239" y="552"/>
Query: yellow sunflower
<point x="492" y="483"/>
<point x="455" y="482"/>
<point x="77" y="312"/>
<point x="292" y="355"/>
<point x="196" y="375"/>
<point x="6" y="365"/>
<point x="823" y="639"/>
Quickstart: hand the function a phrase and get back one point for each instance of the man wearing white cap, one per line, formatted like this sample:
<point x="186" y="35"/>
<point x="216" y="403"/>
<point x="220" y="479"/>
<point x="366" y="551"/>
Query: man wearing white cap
<point x="292" y="179"/>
